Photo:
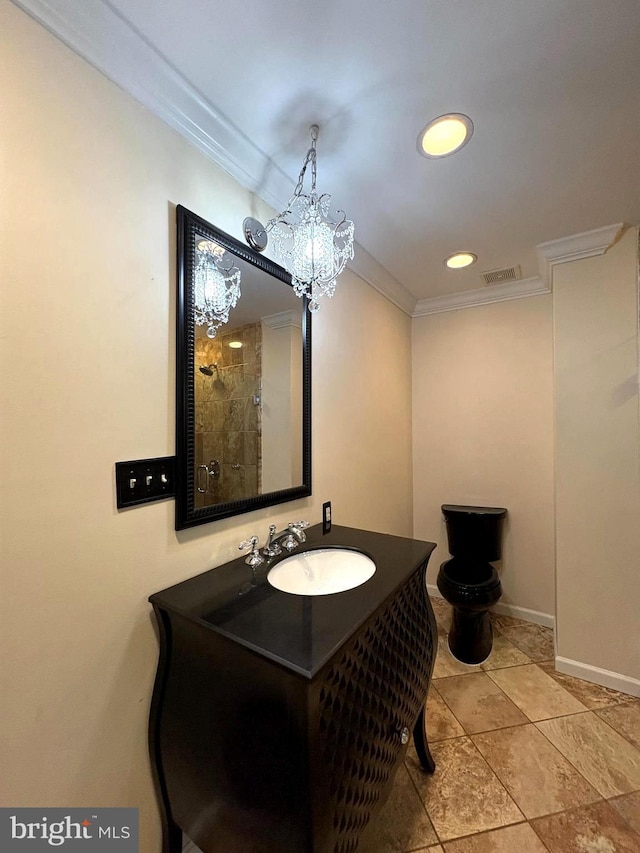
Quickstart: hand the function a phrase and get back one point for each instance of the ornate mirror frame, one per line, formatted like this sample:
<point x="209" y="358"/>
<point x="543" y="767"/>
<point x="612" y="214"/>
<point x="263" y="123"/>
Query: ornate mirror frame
<point x="190" y="227"/>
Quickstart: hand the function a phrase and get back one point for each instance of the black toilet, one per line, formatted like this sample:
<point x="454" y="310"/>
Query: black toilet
<point x="468" y="581"/>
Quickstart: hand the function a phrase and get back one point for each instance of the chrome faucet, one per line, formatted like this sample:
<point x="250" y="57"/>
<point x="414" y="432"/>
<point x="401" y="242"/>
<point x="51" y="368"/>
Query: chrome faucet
<point x="289" y="538"/>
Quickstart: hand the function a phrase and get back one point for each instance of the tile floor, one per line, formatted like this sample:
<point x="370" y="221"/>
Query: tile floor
<point x="527" y="760"/>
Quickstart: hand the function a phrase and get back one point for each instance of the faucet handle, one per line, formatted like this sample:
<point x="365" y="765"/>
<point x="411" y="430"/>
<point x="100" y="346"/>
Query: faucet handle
<point x="253" y="559"/>
<point x="290" y="542"/>
<point x="297" y="527"/>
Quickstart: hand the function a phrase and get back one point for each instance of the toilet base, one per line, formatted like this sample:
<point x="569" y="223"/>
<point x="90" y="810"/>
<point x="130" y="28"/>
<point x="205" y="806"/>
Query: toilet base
<point x="471" y="635"/>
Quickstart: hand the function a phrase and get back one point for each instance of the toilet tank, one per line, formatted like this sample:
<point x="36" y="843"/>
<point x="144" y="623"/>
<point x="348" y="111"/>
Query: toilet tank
<point x="474" y="532"/>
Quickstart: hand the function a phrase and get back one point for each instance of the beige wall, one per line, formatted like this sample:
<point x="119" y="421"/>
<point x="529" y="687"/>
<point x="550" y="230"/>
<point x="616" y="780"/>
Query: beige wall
<point x="362" y="410"/>
<point x="281" y="383"/>
<point x="88" y="184"/>
<point x="598" y="460"/>
<point x="483" y="433"/>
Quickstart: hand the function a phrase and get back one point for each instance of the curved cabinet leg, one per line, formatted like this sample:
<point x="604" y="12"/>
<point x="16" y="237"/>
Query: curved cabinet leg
<point x="171" y="836"/>
<point x="171" y="832"/>
<point x="420" y="741"/>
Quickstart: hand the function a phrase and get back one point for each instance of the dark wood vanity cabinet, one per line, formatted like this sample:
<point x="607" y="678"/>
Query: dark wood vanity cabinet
<point x="278" y="721"/>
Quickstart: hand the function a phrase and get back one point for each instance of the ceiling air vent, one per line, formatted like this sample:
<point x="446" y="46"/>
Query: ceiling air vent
<point x="502" y="276"/>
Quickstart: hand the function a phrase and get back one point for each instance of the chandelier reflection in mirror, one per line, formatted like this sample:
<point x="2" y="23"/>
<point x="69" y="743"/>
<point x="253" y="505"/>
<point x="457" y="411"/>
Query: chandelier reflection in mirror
<point x="216" y="286"/>
<point x="313" y="245"/>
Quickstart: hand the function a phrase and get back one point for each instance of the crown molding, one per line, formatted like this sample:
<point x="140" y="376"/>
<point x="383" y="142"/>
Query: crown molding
<point x="588" y="244"/>
<point x="107" y="41"/>
<point x="282" y="320"/>
<point x="367" y="268"/>
<point x="483" y="296"/>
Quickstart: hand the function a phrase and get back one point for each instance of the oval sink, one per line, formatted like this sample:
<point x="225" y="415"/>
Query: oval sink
<point x="322" y="572"/>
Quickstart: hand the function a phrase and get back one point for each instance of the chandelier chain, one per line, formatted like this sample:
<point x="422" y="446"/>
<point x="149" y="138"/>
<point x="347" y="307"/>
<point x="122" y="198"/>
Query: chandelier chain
<point x="313" y="244"/>
<point x="311" y="157"/>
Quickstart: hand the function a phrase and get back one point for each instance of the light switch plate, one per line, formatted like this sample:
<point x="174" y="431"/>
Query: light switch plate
<point x="326" y="517"/>
<point x="144" y="480"/>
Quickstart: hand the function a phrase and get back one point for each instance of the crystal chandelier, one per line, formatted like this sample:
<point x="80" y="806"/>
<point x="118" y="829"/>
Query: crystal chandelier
<point x="216" y="287"/>
<point x="313" y="245"/>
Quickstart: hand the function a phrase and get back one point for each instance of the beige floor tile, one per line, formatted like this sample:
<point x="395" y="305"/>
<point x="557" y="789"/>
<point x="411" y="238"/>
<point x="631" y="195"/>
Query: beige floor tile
<point x="534" y="692"/>
<point x="604" y="757"/>
<point x="504" y="653"/>
<point x="402" y="823"/>
<point x="464" y="795"/>
<point x="592" y="829"/>
<point x="625" y="719"/>
<point x="592" y="696"/>
<point x="629" y="807"/>
<point x="411" y="758"/>
<point x="446" y="664"/>
<point x="534" y="640"/>
<point x="435" y="849"/>
<point x="499" y="621"/>
<point x="478" y="703"/>
<point x="538" y="777"/>
<point x="442" y="612"/>
<point x="441" y="724"/>
<point x="442" y="631"/>
<point x="511" y="839"/>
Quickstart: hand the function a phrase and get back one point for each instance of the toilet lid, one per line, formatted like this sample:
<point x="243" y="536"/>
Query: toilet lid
<point x="474" y="510"/>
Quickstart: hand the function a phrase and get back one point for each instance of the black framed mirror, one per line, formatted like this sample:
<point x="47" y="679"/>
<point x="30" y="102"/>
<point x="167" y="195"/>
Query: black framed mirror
<point x="243" y="389"/>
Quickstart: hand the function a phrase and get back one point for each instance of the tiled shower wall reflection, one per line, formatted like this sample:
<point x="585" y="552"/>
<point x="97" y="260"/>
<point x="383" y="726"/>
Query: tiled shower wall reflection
<point x="228" y="422"/>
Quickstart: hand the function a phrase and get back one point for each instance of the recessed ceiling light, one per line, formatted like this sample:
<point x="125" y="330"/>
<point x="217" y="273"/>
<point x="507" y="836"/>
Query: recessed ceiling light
<point x="235" y="344"/>
<point x="445" y="135"/>
<point x="459" y="260"/>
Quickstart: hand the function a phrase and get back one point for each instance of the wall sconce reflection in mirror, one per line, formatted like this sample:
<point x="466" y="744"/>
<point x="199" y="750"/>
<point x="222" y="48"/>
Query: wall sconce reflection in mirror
<point x="313" y="245"/>
<point x="216" y="286"/>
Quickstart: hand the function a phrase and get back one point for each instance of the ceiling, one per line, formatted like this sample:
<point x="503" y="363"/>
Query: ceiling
<point x="552" y="87"/>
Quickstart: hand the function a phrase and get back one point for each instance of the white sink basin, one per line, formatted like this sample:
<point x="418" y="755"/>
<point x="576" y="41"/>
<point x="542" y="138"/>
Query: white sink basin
<point x="321" y="572"/>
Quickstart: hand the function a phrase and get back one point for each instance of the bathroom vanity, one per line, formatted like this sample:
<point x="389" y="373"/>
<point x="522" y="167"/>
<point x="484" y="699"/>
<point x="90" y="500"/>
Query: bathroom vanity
<point x="278" y="721"/>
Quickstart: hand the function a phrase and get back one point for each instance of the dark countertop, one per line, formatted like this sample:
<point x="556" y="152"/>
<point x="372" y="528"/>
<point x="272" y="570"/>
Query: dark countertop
<point x="299" y="632"/>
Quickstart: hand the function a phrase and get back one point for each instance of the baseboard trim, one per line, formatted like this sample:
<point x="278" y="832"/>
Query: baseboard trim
<point x="524" y="613"/>
<point x="603" y="677"/>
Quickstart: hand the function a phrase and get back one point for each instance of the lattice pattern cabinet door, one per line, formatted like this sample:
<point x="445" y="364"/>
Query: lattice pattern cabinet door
<point x="368" y="700"/>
